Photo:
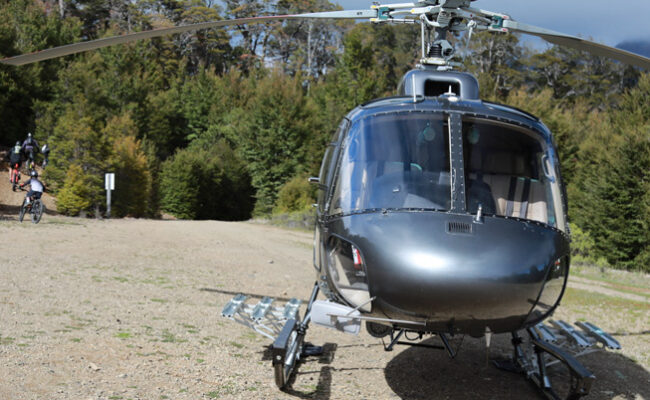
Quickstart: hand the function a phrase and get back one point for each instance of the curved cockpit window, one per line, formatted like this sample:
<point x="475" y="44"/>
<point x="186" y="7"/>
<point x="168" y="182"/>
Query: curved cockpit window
<point x="395" y="161"/>
<point x="508" y="172"/>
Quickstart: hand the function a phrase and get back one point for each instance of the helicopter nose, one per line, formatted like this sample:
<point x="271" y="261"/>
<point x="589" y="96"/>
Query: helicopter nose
<point x="452" y="273"/>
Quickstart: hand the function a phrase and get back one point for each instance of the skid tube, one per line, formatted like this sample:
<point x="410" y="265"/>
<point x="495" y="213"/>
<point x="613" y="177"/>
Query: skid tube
<point x="534" y="366"/>
<point x="290" y="346"/>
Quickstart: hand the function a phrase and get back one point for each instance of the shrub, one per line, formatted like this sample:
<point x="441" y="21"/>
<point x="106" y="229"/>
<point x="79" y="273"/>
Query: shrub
<point x="582" y="246"/>
<point x="206" y="183"/>
<point x="297" y="195"/>
<point x="74" y="196"/>
<point x="132" y="178"/>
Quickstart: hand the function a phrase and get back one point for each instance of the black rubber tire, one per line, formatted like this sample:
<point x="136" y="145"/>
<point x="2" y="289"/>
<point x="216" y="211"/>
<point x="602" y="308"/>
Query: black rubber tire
<point x="21" y="214"/>
<point x="284" y="371"/>
<point x="37" y="211"/>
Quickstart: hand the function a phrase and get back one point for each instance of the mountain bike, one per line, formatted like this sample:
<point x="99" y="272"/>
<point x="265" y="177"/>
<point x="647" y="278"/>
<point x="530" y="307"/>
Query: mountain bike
<point x="15" y="176"/>
<point x="35" y="208"/>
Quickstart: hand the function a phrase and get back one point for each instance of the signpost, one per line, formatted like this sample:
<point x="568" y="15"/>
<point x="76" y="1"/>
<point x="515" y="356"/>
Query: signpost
<point x="109" y="184"/>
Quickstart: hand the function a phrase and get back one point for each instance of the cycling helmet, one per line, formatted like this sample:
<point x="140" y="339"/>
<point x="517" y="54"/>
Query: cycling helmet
<point x="17" y="142"/>
<point x="29" y="135"/>
<point x="33" y="174"/>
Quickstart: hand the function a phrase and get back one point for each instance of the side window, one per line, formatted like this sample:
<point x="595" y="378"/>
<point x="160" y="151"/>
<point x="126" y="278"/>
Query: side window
<point x="325" y="166"/>
<point x="329" y="165"/>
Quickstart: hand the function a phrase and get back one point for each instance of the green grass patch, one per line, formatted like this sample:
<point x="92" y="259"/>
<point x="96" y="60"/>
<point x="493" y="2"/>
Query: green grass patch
<point x="123" y="335"/>
<point x="159" y="300"/>
<point x="169" y="337"/>
<point x="577" y="298"/>
<point x="158" y="281"/>
<point x="614" y="277"/>
<point x="61" y="222"/>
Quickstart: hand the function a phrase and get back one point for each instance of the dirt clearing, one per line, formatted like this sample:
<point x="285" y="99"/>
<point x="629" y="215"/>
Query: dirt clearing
<point x="130" y="309"/>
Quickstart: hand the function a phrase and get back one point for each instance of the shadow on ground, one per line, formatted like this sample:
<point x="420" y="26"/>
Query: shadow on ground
<point x="323" y="386"/>
<point x="10" y="212"/>
<point x="419" y="373"/>
<point x="249" y="295"/>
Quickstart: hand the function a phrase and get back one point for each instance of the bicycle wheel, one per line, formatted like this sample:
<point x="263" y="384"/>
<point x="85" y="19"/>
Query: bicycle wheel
<point x="23" y="209"/>
<point x="37" y="211"/>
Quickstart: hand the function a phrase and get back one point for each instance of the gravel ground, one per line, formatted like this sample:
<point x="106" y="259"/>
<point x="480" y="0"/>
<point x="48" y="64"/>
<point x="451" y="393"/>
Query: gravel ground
<point x="130" y="309"/>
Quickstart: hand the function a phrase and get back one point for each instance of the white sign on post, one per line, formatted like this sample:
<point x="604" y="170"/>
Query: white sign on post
<point x="109" y="181"/>
<point x="109" y="184"/>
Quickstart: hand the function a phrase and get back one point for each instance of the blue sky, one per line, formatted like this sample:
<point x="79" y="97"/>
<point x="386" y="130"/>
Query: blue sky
<point x="608" y="22"/>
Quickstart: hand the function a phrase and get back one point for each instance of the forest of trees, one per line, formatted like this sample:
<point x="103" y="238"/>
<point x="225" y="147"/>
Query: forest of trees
<point x="227" y="123"/>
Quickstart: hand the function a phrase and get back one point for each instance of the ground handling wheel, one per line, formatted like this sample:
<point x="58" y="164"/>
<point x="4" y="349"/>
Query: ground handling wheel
<point x="287" y="349"/>
<point x="283" y="325"/>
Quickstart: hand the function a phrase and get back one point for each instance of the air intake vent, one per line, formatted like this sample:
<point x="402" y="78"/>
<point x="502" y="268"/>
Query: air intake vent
<point x="459" y="227"/>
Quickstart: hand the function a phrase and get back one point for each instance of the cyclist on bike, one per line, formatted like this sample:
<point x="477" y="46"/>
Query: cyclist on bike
<point x="36" y="187"/>
<point x="15" y="157"/>
<point x="45" y="150"/>
<point x="30" y="146"/>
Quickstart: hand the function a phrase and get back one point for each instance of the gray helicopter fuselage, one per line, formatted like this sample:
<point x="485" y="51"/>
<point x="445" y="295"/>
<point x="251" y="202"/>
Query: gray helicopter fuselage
<point x="429" y="240"/>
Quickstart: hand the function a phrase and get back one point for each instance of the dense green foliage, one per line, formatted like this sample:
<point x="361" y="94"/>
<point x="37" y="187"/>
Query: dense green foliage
<point x="227" y="124"/>
<point x="297" y="195"/>
<point x="206" y="183"/>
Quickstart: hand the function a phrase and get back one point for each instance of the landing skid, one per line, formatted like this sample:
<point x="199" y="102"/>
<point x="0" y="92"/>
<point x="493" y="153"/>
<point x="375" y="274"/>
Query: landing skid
<point x="280" y="324"/>
<point x="559" y="343"/>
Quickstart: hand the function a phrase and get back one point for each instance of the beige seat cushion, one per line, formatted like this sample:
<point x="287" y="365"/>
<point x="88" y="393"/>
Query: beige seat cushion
<point x="500" y="186"/>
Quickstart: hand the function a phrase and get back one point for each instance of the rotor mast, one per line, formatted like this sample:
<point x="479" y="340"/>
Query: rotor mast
<point x="437" y="19"/>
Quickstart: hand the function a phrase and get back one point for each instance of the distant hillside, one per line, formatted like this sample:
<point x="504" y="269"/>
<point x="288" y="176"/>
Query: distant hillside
<point x="641" y="47"/>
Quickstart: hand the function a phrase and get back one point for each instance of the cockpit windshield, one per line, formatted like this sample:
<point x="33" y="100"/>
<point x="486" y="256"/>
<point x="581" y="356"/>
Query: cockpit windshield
<point x="402" y="161"/>
<point x="395" y="161"/>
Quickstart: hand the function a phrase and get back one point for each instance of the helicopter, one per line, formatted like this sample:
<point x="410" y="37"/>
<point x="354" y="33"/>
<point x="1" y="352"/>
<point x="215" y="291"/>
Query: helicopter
<point x="438" y="214"/>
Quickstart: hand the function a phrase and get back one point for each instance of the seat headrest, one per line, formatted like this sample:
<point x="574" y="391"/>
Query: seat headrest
<point x="505" y="163"/>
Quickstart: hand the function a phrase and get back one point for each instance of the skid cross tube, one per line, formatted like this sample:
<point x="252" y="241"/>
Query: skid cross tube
<point x="395" y="339"/>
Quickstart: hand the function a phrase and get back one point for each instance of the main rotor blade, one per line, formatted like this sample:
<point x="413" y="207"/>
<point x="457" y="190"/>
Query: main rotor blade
<point x="110" y="41"/>
<point x="579" y="44"/>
